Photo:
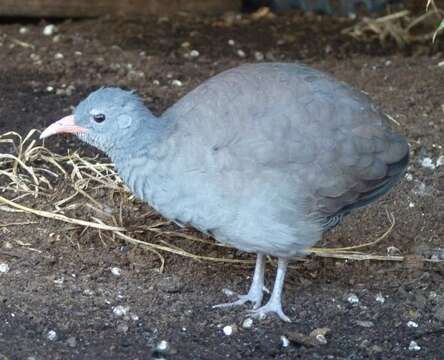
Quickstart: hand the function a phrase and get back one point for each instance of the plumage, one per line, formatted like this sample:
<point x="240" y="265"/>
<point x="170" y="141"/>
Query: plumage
<point x="265" y="157"/>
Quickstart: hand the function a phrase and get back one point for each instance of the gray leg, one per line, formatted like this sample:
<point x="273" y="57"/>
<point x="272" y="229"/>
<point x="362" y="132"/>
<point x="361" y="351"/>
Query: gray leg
<point x="274" y="305"/>
<point x="255" y="294"/>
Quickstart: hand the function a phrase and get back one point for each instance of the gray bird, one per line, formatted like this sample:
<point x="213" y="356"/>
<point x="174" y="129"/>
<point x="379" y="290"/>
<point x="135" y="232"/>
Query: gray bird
<point x="264" y="157"/>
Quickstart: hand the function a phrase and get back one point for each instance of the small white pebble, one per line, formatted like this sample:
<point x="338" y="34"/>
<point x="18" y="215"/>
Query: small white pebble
<point x="231" y="42"/>
<point x="78" y="53"/>
<point x="285" y="341"/>
<point x="353" y="299"/>
<point x="427" y="163"/>
<point x="412" y="324"/>
<point x="247" y="323"/>
<point x="116" y="271"/>
<point x="23" y="30"/>
<point x="49" y="30"/>
<point x="413" y="346"/>
<point x="120" y="310"/>
<point x="49" y="89"/>
<point x="134" y="317"/>
<point x="441" y="64"/>
<point x="409" y="177"/>
<point x="176" y="83"/>
<point x="194" y="53"/>
<point x="258" y="56"/>
<point x="4" y="268"/>
<point x="380" y="298"/>
<point x="58" y="56"/>
<point x="411" y="205"/>
<point x="88" y="292"/>
<point x="156" y="82"/>
<point x="241" y="53"/>
<point x="321" y="339"/>
<point x="228" y="292"/>
<point x="228" y="330"/>
<point x="393" y="251"/>
<point x="59" y="281"/>
<point x="162" y="346"/>
<point x="52" y="335"/>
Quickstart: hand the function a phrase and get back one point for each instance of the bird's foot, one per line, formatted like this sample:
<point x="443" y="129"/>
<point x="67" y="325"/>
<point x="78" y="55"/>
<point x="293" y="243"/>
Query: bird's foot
<point x="254" y="296"/>
<point x="271" y="307"/>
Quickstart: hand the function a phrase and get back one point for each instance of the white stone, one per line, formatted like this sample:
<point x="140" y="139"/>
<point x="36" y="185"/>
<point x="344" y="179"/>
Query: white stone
<point x="413" y="346"/>
<point x="120" y="310"/>
<point x="412" y="324"/>
<point x="231" y="42"/>
<point x="49" y="30"/>
<point x="247" y="323"/>
<point x="52" y="335"/>
<point x="228" y="330"/>
<point x="116" y="271"/>
<point x="427" y="163"/>
<point x="241" y="53"/>
<point x="194" y="53"/>
<point x="285" y="341"/>
<point x="23" y="30"/>
<point x="58" y="56"/>
<point x="380" y="298"/>
<point x="176" y="83"/>
<point x="4" y="268"/>
<point x="353" y="299"/>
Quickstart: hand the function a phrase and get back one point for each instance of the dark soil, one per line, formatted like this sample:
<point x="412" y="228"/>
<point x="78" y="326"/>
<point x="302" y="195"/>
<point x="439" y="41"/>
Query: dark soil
<point x="66" y="286"/>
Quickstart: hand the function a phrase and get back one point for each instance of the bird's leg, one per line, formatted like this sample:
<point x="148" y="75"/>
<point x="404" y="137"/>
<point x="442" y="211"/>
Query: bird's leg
<point x="274" y="304"/>
<point x="255" y="294"/>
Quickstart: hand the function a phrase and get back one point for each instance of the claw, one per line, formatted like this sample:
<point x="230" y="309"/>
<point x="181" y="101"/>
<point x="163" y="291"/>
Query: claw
<point x="253" y="296"/>
<point x="270" y="308"/>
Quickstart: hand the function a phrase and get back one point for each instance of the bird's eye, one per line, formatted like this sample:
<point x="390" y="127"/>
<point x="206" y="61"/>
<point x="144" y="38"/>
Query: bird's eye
<point x="99" y="118"/>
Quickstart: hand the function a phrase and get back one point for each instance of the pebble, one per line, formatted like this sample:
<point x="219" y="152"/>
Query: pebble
<point x="23" y="30"/>
<point x="247" y="323"/>
<point x="259" y="56"/>
<point x="194" y="53"/>
<point x="353" y="299"/>
<point x="120" y="310"/>
<point x="285" y="341"/>
<point x="380" y="298"/>
<point x="116" y="271"/>
<point x="413" y="346"/>
<point x="412" y="324"/>
<point x="49" y="88"/>
<point x="52" y="335"/>
<point x="58" y="56"/>
<point x="393" y="251"/>
<point x="409" y="177"/>
<point x="427" y="163"/>
<point x="49" y="30"/>
<point x="229" y="330"/>
<point x="4" y="268"/>
<point x="71" y="341"/>
<point x="122" y="328"/>
<point x="241" y="53"/>
<point x="231" y="42"/>
<point x="156" y="82"/>
<point x="176" y="83"/>
<point x="411" y="205"/>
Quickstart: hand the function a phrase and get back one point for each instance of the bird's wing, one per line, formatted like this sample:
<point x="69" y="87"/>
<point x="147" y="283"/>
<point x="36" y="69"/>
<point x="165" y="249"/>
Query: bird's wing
<point x="290" y="120"/>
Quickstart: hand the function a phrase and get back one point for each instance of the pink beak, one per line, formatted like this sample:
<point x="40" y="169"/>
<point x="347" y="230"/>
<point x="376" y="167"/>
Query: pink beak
<point x="65" y="125"/>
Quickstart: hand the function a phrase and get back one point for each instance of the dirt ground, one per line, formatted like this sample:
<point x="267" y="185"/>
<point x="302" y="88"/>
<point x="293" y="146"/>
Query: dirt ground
<point x="60" y="299"/>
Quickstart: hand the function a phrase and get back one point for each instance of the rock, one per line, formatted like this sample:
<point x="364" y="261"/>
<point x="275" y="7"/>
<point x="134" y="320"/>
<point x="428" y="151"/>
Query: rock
<point x="52" y="335"/>
<point x="229" y="329"/>
<point x="247" y="323"/>
<point x="120" y="310"/>
<point x="4" y="268"/>
<point x="171" y="284"/>
<point x="413" y="346"/>
<point x="49" y="30"/>
<point x="353" y="299"/>
<point x="71" y="341"/>
<point x="285" y="341"/>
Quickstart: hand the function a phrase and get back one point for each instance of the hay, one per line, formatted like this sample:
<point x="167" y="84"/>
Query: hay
<point x="399" y="26"/>
<point x="31" y="171"/>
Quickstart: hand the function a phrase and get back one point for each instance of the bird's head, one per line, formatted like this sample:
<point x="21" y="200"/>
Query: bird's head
<point x="108" y="118"/>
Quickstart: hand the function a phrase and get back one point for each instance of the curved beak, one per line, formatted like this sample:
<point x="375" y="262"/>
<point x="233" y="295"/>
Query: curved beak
<point x="65" y="125"/>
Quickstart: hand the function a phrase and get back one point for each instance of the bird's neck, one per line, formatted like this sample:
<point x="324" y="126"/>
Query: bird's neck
<point x="147" y="141"/>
